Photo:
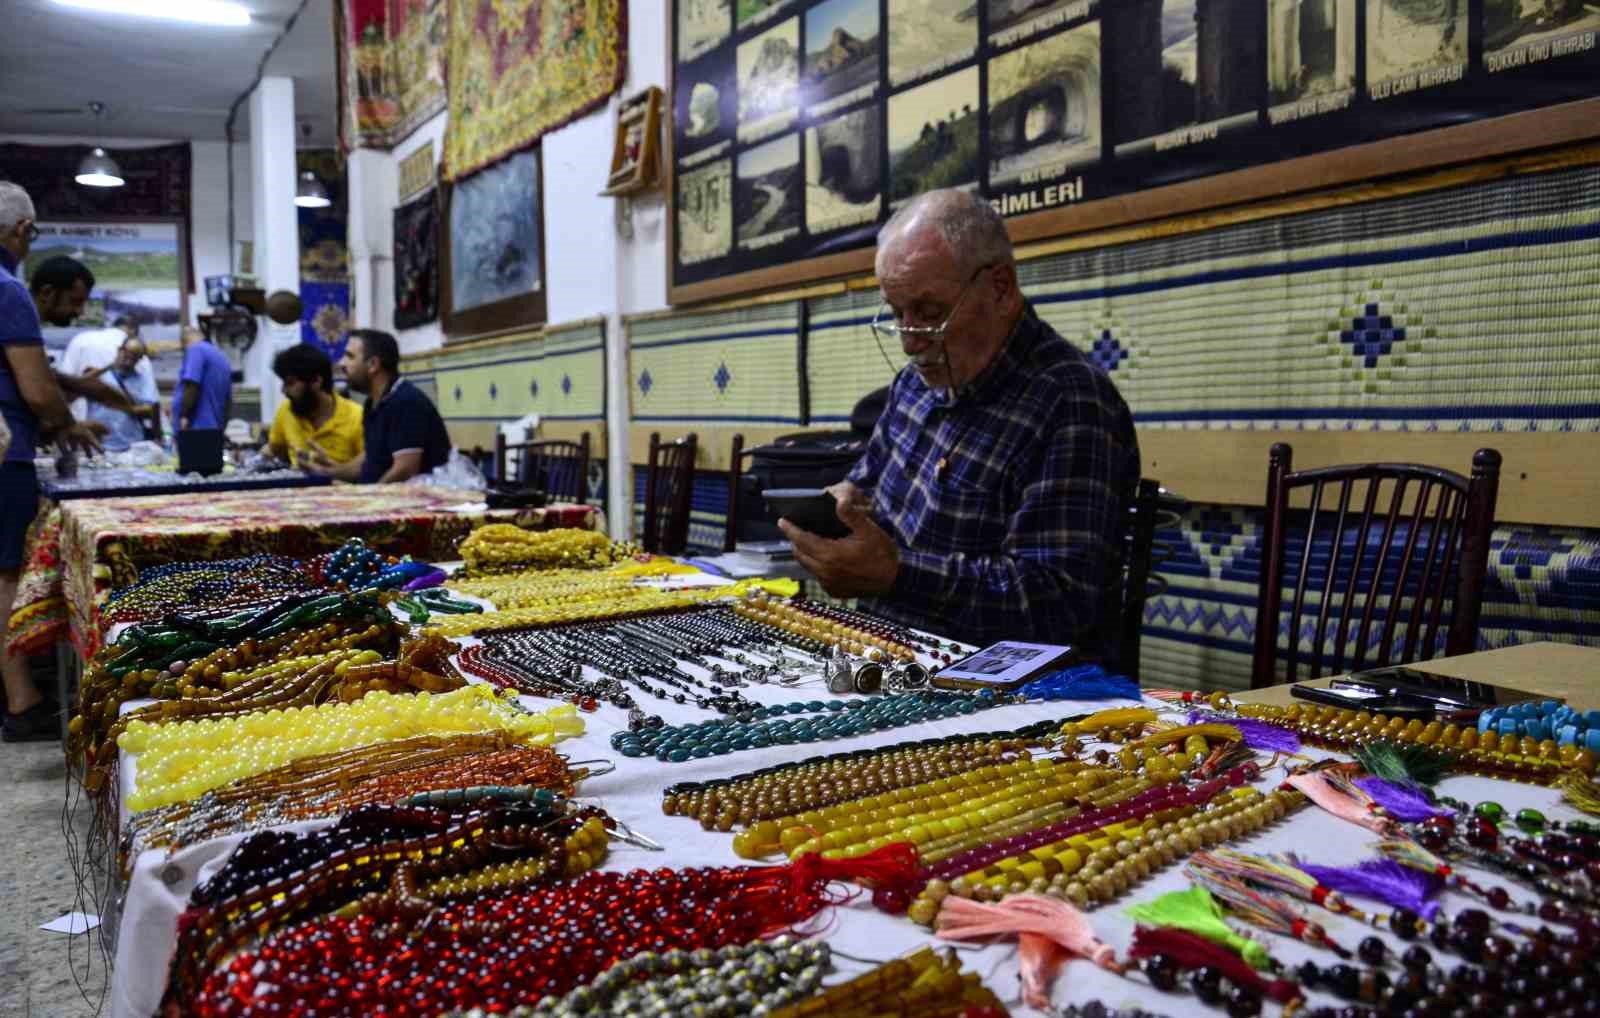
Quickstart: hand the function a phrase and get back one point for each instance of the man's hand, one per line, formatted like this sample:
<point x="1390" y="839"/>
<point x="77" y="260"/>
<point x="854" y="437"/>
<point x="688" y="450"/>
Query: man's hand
<point x="314" y="455"/>
<point x="862" y="564"/>
<point x="84" y="435"/>
<point x="97" y="372"/>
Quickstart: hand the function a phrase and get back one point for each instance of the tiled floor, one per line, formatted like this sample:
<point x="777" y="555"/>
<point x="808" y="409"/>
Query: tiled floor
<point x="36" y="885"/>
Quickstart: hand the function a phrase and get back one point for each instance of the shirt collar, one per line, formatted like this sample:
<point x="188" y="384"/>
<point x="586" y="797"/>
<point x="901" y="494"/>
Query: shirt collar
<point x="390" y="390"/>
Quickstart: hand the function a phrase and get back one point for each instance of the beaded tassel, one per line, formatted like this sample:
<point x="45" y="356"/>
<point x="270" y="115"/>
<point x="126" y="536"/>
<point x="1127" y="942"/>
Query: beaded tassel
<point x="1384" y="880"/>
<point x="1580" y="790"/>
<point x="1197" y="912"/>
<point x="1042" y="925"/>
<point x="1193" y="952"/>
<point x="1253" y="889"/>
<point x="1405" y="763"/>
<point x="1402" y="802"/>
<point x="1262" y="735"/>
<point x="1340" y="797"/>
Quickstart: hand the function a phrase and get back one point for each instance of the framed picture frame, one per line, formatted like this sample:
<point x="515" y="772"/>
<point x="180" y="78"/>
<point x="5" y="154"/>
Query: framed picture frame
<point x="1075" y="117"/>
<point x="636" y="149"/>
<point x="491" y="249"/>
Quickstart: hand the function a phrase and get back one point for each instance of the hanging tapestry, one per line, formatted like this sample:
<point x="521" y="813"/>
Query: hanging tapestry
<point x="324" y="258"/>
<point x="520" y="68"/>
<point x="391" y="68"/>
<point x="155" y="184"/>
<point x="416" y="262"/>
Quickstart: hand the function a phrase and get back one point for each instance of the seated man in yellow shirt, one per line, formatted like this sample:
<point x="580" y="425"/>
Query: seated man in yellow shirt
<point x="313" y="421"/>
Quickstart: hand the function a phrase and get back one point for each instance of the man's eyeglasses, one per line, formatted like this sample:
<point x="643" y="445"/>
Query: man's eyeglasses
<point x="890" y="327"/>
<point x="31" y="232"/>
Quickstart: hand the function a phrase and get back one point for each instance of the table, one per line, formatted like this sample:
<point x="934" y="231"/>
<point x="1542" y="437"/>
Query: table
<point x="39" y="613"/>
<point x="119" y="482"/>
<point x="161" y="884"/>
<point x="1564" y="671"/>
<point x="105" y="542"/>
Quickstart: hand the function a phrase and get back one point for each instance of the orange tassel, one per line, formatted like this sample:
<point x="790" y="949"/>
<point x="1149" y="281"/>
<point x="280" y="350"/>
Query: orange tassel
<point x="1037" y="921"/>
<point x="1316" y="786"/>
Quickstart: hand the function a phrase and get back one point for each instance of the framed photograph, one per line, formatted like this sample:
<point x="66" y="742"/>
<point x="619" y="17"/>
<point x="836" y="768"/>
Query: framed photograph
<point x="491" y="272"/>
<point x="636" y="148"/>
<point x="138" y="271"/>
<point x="1004" y="665"/>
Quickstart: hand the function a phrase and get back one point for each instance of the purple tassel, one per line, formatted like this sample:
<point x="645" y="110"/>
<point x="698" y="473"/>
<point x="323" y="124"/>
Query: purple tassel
<point x="1384" y="880"/>
<point x="1404" y="804"/>
<point x="432" y="578"/>
<point x="1257" y="734"/>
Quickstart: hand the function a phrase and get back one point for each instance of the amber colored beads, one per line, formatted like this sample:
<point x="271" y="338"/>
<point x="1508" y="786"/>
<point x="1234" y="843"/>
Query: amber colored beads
<point x="797" y="621"/>
<point x="827" y="781"/>
<point x="1510" y="757"/>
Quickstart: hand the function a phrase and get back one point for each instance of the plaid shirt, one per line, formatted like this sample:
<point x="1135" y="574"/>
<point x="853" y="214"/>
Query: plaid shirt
<point x="1005" y="503"/>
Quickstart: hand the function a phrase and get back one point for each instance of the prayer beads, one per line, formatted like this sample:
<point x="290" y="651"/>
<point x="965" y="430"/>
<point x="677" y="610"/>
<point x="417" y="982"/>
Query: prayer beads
<point x="499" y="547"/>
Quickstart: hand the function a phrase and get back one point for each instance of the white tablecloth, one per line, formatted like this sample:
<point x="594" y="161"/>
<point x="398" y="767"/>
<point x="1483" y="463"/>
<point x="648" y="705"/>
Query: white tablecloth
<point x="160" y="885"/>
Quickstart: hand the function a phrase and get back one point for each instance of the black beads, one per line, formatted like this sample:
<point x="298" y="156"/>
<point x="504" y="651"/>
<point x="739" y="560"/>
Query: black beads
<point x="1372" y="951"/>
<point x="1162" y="972"/>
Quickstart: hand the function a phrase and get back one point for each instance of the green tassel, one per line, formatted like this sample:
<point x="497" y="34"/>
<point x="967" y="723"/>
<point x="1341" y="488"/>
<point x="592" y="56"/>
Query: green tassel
<point x="1197" y="912"/>
<point x="1407" y="763"/>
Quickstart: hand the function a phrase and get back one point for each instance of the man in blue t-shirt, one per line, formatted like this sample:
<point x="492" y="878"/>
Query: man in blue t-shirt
<point x="403" y="432"/>
<point x="34" y="410"/>
<point x="205" y="385"/>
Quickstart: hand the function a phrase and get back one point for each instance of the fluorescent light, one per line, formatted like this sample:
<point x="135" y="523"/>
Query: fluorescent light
<point x="210" y="12"/>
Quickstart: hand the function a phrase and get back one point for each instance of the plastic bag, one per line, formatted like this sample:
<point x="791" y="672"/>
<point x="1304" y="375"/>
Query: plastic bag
<point x="456" y="472"/>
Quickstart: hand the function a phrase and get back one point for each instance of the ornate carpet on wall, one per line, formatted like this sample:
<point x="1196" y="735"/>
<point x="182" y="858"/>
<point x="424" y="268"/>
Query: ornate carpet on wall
<point x="416" y="262"/>
<point x="156" y="184"/>
<point x="391" y="68"/>
<point x="1471" y="309"/>
<point x="324" y="257"/>
<point x="520" y="68"/>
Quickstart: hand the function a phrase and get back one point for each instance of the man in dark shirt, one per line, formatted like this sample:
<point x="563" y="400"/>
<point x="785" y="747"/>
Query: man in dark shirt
<point x="34" y="411"/>
<point x="988" y="503"/>
<point x="403" y="432"/>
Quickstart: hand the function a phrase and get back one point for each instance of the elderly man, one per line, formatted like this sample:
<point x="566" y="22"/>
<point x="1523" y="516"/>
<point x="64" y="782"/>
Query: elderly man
<point x="988" y="502"/>
<point x="205" y="384"/>
<point x="123" y="426"/>
<point x="34" y="409"/>
<point x="95" y="350"/>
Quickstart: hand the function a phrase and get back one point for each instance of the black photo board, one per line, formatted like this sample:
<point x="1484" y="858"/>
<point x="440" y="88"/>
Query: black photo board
<point x="799" y="126"/>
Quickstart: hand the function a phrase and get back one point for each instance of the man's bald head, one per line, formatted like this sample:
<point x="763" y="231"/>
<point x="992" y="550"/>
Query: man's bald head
<point x="971" y="231"/>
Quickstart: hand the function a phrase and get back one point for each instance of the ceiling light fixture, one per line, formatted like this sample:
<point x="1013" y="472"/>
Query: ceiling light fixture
<point x="207" y="12"/>
<point x="309" y="192"/>
<point x="97" y="168"/>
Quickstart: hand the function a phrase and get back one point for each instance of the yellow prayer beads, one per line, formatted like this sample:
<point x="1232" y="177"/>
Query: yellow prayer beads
<point x="179" y="762"/>
<point x="502" y="546"/>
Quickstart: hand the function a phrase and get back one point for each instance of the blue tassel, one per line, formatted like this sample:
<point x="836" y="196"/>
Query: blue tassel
<point x="1084" y="682"/>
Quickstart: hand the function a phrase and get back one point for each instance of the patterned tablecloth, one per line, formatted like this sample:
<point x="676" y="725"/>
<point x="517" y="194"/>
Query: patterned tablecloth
<point x="103" y="543"/>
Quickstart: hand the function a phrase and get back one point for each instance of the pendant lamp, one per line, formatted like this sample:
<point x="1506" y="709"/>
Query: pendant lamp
<point x="97" y="168"/>
<point x="309" y="192"/>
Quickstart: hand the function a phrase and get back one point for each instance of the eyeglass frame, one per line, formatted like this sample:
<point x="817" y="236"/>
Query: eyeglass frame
<point x="32" y="232"/>
<point x="892" y="330"/>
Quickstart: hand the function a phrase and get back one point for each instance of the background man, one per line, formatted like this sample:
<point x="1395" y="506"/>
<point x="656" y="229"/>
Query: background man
<point x="313" y="419"/>
<point x="123" y="428"/>
<point x="990" y="497"/>
<point x="34" y="409"/>
<point x="95" y="350"/>
<point x="205" y="384"/>
<point x="402" y="431"/>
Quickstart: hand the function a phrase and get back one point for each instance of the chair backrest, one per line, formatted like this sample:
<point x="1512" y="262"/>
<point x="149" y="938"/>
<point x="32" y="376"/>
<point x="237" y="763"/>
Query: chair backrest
<point x="669" y="483"/>
<point x="557" y="467"/>
<point x="1398" y="538"/>
<point x="1138" y="552"/>
<point x="736" y="458"/>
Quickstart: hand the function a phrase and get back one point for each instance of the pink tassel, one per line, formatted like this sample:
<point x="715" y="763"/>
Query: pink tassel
<point x="1031" y="917"/>
<point x="1384" y="880"/>
<point x="1402" y="803"/>
<point x="1320" y="789"/>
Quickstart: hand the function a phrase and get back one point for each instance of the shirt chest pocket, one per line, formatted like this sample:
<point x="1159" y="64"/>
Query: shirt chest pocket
<point x="962" y="517"/>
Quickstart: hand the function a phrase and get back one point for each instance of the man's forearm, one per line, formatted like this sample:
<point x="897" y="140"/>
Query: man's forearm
<point x="36" y="384"/>
<point x="90" y="387"/>
<point x="191" y="399"/>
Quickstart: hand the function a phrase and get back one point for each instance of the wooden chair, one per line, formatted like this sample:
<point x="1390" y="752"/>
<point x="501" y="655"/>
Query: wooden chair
<point x="668" y="487"/>
<point x="558" y="468"/>
<point x="1433" y="536"/>
<point x="736" y="458"/>
<point x="1150" y="506"/>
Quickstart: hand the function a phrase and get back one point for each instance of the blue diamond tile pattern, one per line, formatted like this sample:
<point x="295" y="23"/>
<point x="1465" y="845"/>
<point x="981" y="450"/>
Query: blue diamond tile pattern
<point x="645" y="381"/>
<point x="1372" y="335"/>
<point x="566" y="385"/>
<point x="1107" y="352"/>
<point x="533" y="388"/>
<point x="494" y="393"/>
<point x="722" y="377"/>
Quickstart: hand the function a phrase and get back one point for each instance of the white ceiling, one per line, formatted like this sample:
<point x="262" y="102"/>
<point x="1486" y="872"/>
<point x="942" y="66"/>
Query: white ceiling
<point x="158" y="78"/>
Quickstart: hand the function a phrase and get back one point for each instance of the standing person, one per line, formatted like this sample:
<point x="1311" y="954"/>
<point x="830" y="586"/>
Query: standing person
<point x="205" y="385"/>
<point x="313" y="419"/>
<point x="403" y="432"/>
<point x="34" y="408"/>
<point x="990" y="498"/>
<point x="94" y="351"/>
<point x="124" y="427"/>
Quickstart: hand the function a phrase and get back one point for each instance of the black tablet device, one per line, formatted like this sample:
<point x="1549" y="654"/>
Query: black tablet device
<point x="812" y="509"/>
